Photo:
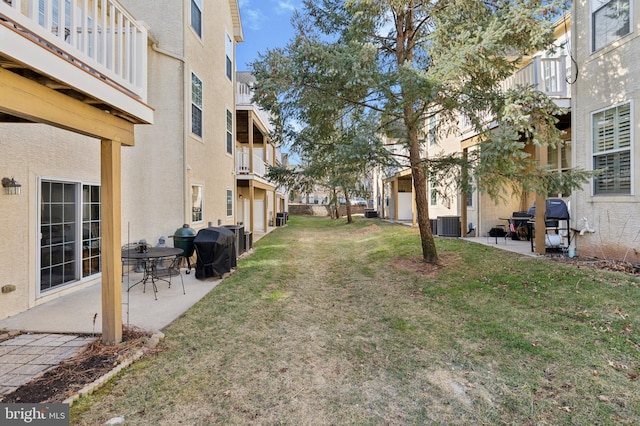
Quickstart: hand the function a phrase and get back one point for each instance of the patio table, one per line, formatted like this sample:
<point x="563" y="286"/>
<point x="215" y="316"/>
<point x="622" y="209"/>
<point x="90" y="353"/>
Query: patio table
<point x="151" y="257"/>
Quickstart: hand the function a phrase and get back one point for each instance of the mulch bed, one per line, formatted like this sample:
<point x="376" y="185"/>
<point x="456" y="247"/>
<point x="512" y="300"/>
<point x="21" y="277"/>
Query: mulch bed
<point x="75" y="373"/>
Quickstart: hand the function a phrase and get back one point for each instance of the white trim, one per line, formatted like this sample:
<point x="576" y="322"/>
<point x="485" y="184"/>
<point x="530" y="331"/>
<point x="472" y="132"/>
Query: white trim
<point x="631" y="149"/>
<point x="592" y="10"/>
<point x="201" y="186"/>
<point x="192" y="74"/>
<point x="79" y="183"/>
<point x="227" y="198"/>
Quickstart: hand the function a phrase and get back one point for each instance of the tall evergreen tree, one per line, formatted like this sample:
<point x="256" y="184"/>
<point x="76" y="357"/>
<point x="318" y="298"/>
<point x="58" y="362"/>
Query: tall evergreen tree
<point x="409" y="60"/>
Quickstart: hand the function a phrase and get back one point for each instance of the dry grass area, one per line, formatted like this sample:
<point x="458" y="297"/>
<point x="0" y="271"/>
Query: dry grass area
<point x="328" y="323"/>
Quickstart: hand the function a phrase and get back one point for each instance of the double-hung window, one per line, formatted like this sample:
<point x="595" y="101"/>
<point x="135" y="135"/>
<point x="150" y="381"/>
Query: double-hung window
<point x="612" y="135"/>
<point x="196" y="203"/>
<point x="70" y="236"/>
<point x="229" y="132"/>
<point x="229" y="203"/>
<point x="196" y="105"/>
<point x="559" y="159"/>
<point x="196" y="16"/>
<point x="610" y="20"/>
<point x="228" y="48"/>
<point x="432" y="134"/>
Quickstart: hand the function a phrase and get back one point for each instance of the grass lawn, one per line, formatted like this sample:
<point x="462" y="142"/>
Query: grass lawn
<point x="329" y="323"/>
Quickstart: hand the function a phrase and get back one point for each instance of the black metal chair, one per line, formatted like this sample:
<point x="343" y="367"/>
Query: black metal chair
<point x="172" y="270"/>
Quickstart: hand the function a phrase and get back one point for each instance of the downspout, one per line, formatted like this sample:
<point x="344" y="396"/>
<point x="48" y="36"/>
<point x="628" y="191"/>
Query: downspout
<point x="156" y="48"/>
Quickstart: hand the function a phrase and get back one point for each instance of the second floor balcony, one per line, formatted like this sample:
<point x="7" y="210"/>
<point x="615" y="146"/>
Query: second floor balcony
<point x="93" y="50"/>
<point x="244" y="166"/>
<point x="548" y="75"/>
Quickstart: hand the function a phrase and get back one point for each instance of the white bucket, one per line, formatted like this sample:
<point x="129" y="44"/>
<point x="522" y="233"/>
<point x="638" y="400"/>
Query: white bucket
<point x="553" y="240"/>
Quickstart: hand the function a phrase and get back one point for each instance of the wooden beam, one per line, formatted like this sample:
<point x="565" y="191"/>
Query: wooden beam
<point x="541" y="207"/>
<point x="24" y="98"/>
<point x="110" y="159"/>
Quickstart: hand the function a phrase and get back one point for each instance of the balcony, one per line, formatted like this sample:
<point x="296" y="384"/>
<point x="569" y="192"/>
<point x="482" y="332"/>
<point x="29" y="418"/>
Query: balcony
<point x="244" y="95"/>
<point x="243" y="165"/>
<point x="548" y="75"/>
<point x="92" y="50"/>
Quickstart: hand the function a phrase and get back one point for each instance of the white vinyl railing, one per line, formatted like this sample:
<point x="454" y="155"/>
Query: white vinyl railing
<point x="243" y="166"/>
<point x="244" y="95"/>
<point x="547" y="75"/>
<point x="98" y="35"/>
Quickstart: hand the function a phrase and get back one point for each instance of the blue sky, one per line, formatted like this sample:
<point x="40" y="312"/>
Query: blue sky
<point x="266" y="24"/>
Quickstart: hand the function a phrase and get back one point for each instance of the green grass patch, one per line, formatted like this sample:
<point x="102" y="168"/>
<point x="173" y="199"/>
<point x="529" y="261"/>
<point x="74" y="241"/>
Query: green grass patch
<point x="335" y="323"/>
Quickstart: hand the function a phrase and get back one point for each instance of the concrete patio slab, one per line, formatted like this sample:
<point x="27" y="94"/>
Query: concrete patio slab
<point x="81" y="311"/>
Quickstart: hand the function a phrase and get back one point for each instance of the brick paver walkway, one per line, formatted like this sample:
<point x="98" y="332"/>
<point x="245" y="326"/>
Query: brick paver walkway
<point x="26" y="356"/>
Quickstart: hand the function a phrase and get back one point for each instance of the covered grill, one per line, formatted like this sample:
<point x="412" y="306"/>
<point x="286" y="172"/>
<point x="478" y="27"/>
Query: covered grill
<point x="557" y="230"/>
<point x="216" y="251"/>
<point x="183" y="238"/>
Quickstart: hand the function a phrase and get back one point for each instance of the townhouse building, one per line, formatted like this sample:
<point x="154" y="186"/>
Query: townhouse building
<point x="81" y="80"/>
<point x="74" y="87"/>
<point x="605" y="115"/>
<point x="475" y="214"/>
<point x="259" y="200"/>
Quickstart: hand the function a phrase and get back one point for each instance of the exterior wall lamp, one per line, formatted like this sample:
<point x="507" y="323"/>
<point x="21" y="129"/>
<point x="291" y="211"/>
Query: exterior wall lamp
<point x="11" y="187"/>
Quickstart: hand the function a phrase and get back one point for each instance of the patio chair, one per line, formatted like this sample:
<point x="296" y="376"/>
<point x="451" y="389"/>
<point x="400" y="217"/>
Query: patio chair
<point x="128" y="262"/>
<point x="172" y="270"/>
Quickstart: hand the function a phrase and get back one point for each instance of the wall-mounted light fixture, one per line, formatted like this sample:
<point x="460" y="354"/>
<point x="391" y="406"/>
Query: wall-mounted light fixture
<point x="11" y="187"/>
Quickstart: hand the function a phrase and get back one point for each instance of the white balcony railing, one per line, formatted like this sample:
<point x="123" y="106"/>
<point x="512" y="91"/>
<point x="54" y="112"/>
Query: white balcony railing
<point x="244" y="95"/>
<point x="100" y="36"/>
<point x="547" y="75"/>
<point x="243" y="166"/>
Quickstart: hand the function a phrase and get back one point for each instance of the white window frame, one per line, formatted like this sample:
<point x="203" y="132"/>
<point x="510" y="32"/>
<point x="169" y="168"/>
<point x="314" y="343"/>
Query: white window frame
<point x="79" y="241"/>
<point x="229" y="202"/>
<point x="616" y="149"/>
<point x="196" y="28"/>
<point x="432" y="133"/>
<point x="197" y="103"/>
<point x="598" y="6"/>
<point x="433" y="196"/>
<point x="197" y="203"/>
<point x="229" y="133"/>
<point x="228" y="50"/>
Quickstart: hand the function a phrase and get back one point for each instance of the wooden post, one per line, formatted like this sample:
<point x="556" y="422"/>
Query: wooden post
<point x="541" y="207"/>
<point x="464" y="195"/>
<point x="110" y="159"/>
<point x="252" y="200"/>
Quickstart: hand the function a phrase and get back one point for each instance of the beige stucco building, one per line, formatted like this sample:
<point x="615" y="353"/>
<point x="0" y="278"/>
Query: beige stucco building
<point x="605" y="114"/>
<point x="161" y="85"/>
<point x="182" y="170"/>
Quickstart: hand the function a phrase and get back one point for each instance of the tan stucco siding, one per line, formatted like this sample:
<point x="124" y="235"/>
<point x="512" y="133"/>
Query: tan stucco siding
<point x="33" y="151"/>
<point x="606" y="78"/>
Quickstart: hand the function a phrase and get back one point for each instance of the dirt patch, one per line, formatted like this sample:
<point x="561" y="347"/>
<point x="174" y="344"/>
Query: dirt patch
<point x="419" y="266"/>
<point x="72" y="375"/>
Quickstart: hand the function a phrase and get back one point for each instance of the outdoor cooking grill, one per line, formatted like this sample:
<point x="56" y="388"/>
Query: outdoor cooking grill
<point x="183" y="238"/>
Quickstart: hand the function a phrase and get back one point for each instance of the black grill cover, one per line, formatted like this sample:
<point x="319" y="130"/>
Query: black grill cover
<point x="556" y="209"/>
<point x="216" y="252"/>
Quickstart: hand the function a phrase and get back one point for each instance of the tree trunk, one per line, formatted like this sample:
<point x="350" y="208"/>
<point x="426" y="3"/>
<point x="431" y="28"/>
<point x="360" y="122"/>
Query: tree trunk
<point x="347" y="203"/>
<point x="429" y="252"/>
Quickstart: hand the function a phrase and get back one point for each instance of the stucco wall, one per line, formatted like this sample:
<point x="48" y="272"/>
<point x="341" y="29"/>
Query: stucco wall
<point x="605" y="78"/>
<point x="32" y="151"/>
